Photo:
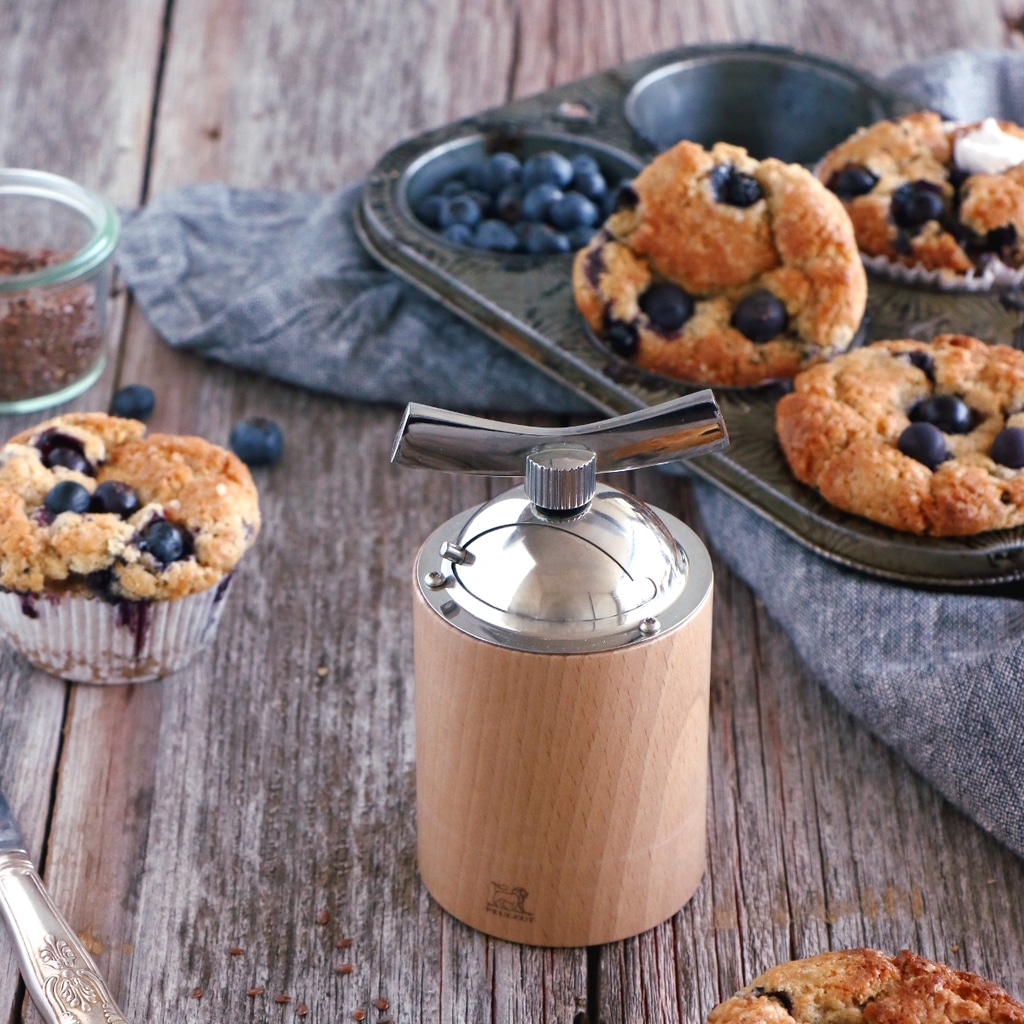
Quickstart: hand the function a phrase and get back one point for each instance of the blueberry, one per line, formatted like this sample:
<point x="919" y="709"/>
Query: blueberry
<point x="69" y="458"/>
<point x="547" y="168"/>
<point x="496" y="236"/>
<point x="458" y="234"/>
<point x="999" y="239"/>
<point x="734" y="187"/>
<point x="584" y="163"/>
<point x="115" y="497"/>
<point x="924" y="443"/>
<point x="477" y="174"/>
<point x="667" y="306"/>
<point x="591" y="184"/>
<point x="924" y="362"/>
<point x="509" y="204"/>
<point x="542" y="239"/>
<point x="538" y="200"/>
<point x="851" y="181"/>
<point x="581" y="236"/>
<point x="133" y="402"/>
<point x="622" y="337"/>
<point x="951" y="414"/>
<point x="257" y="441"/>
<point x="573" y="210"/>
<point x="482" y="199"/>
<point x="503" y="169"/>
<point x="453" y="187"/>
<point x="916" y="203"/>
<point x="164" y="541"/>
<point x="1008" y="447"/>
<point x="622" y="197"/>
<point x="742" y="190"/>
<point x="67" y="496"/>
<point x="428" y="210"/>
<point x="461" y="209"/>
<point x="760" y="316"/>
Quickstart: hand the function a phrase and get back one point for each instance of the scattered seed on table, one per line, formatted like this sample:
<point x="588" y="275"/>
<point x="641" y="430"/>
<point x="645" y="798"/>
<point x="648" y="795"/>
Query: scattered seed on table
<point x="236" y="951"/>
<point x="282" y="998"/>
<point x="197" y="993"/>
<point x="323" y="917"/>
<point x="359" y="1014"/>
<point x="343" y="943"/>
<point x="257" y="991"/>
<point x="381" y="1004"/>
<point x="301" y="1010"/>
<point x="322" y="671"/>
<point x="344" y="968"/>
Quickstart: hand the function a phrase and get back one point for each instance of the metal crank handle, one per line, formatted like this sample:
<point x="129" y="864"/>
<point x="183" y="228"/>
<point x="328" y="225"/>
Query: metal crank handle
<point x="59" y="974"/>
<point x="437" y="439"/>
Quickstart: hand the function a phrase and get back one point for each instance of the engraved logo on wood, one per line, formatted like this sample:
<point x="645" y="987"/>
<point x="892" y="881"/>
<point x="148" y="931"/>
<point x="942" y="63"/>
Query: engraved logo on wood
<point x="509" y="901"/>
<point x="72" y="991"/>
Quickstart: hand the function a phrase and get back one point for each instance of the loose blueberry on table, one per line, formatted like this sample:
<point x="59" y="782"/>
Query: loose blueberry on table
<point x="566" y="196"/>
<point x="133" y="402"/>
<point x="257" y="441"/>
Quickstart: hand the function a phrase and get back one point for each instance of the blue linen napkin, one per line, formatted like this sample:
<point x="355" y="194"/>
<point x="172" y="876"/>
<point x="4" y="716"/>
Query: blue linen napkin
<point x="277" y="282"/>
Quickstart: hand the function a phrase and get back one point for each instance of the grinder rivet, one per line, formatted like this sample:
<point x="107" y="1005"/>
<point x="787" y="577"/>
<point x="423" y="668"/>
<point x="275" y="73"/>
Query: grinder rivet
<point x="649" y="626"/>
<point x="435" y="580"/>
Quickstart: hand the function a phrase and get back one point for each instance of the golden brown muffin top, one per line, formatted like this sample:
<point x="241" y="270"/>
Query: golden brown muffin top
<point x="863" y="985"/>
<point x="204" y="490"/>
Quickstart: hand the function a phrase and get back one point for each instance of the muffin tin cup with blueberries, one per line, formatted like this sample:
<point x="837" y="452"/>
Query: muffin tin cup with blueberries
<point x="525" y="300"/>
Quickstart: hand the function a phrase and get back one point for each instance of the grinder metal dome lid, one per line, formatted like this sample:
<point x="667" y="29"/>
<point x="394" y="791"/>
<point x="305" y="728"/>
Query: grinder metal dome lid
<point x="561" y="563"/>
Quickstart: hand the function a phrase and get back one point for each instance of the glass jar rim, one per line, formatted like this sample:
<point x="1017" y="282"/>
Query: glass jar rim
<point x="16" y="181"/>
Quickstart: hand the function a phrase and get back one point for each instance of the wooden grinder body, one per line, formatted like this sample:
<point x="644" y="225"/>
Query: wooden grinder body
<point x="561" y="799"/>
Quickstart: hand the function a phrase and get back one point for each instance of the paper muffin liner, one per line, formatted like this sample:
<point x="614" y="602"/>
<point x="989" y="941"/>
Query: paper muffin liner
<point x="996" y="275"/>
<point x="89" y="640"/>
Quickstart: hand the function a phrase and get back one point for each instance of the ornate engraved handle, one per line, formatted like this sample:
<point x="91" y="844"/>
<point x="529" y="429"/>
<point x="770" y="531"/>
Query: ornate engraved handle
<point x="60" y="975"/>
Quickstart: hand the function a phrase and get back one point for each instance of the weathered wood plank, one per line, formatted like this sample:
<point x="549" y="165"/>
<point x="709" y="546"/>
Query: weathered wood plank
<point x="75" y="98"/>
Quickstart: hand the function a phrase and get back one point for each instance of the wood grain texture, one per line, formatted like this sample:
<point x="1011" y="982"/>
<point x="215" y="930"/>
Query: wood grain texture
<point x="227" y="808"/>
<point x="561" y="798"/>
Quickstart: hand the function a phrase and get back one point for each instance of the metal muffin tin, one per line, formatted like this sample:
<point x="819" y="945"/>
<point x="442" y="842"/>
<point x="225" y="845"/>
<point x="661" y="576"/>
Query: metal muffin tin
<point x="777" y="103"/>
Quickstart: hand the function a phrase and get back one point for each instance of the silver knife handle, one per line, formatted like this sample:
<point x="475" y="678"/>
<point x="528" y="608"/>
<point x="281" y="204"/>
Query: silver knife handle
<point x="59" y="974"/>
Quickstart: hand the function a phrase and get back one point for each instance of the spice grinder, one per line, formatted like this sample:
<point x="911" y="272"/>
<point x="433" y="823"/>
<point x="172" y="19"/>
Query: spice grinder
<point x="562" y="645"/>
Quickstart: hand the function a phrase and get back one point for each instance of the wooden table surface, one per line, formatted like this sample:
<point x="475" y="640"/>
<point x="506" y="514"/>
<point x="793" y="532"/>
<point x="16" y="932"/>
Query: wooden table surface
<point x="229" y="805"/>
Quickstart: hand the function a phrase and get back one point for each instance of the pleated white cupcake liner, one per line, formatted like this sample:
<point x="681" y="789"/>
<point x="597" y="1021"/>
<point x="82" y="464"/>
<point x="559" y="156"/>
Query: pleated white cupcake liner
<point x="88" y="640"/>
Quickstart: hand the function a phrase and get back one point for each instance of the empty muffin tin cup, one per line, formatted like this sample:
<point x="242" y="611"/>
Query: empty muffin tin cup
<point x="773" y="103"/>
<point x="56" y="243"/>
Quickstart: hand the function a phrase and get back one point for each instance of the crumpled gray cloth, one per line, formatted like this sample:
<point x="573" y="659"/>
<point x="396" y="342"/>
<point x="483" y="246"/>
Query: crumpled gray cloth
<point x="277" y="282"/>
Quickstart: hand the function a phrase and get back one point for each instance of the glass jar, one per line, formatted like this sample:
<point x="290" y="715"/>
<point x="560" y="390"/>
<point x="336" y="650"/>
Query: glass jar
<point x="56" y="243"/>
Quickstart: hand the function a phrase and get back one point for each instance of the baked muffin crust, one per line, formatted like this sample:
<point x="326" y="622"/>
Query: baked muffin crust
<point x="979" y="216"/>
<point x="784" y="234"/>
<point x="863" y="985"/>
<point x="199" y="487"/>
<point x="840" y="432"/>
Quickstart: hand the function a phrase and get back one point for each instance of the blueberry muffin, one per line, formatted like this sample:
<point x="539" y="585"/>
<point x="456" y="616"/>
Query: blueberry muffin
<point x="116" y="549"/>
<point x="863" y="985"/>
<point x="718" y="268"/>
<point x="925" y="437"/>
<point x="924" y="192"/>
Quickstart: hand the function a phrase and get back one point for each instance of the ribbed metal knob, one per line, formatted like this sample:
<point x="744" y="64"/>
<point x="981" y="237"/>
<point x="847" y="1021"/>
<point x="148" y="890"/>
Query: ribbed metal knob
<point x="561" y="478"/>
